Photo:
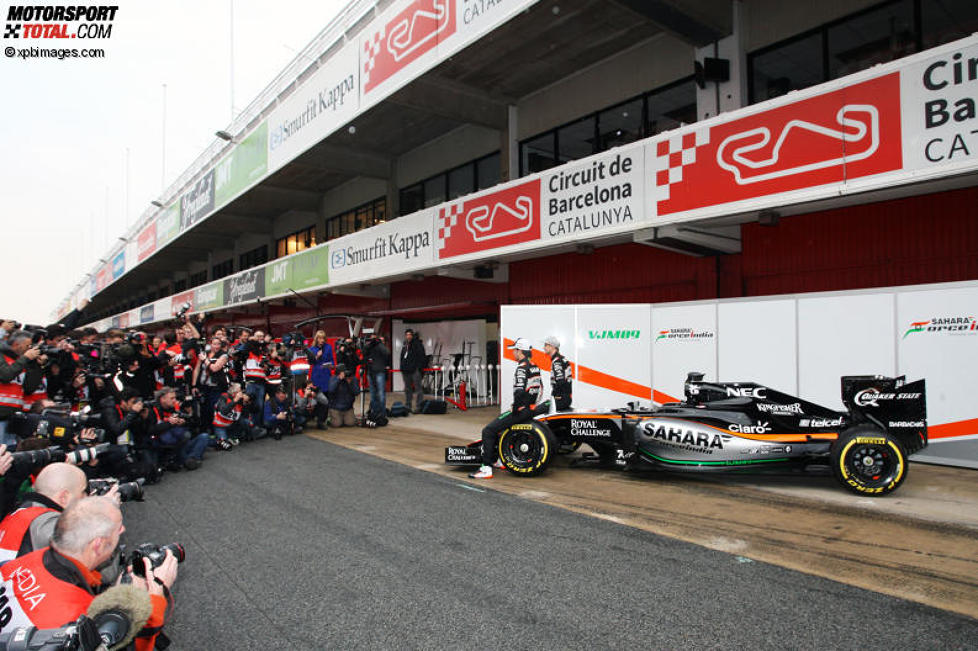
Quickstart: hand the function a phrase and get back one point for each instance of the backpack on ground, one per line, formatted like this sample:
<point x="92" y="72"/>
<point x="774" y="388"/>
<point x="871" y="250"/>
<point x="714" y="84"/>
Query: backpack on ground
<point x="434" y="407"/>
<point x="398" y="410"/>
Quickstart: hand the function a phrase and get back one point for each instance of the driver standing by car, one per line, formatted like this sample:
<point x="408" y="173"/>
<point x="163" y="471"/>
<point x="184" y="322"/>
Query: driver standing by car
<point x="560" y="374"/>
<point x="526" y="390"/>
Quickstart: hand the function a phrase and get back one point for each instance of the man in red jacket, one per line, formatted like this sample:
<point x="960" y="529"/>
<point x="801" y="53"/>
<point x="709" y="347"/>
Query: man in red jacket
<point x="53" y="586"/>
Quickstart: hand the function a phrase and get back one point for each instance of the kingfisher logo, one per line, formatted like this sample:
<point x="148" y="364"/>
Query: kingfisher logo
<point x="954" y="325"/>
<point x="684" y="334"/>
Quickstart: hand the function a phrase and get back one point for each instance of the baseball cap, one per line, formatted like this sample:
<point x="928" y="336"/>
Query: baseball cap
<point x="521" y="343"/>
<point x="553" y="341"/>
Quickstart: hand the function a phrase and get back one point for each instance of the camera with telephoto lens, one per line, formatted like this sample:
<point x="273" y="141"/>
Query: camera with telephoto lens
<point x="57" y="424"/>
<point x="129" y="491"/>
<point x="184" y="308"/>
<point x="80" y="635"/>
<point x="155" y="553"/>
<point x="55" y="453"/>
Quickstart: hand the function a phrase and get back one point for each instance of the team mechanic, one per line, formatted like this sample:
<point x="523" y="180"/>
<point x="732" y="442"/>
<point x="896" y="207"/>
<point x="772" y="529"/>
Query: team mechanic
<point x="526" y="389"/>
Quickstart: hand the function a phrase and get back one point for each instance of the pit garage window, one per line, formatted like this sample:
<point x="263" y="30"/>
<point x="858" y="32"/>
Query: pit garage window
<point x="886" y="32"/>
<point x="253" y="258"/>
<point x="196" y="279"/>
<point x="298" y="241"/>
<point x="660" y="110"/>
<point x="469" y="177"/>
<point x="363" y="216"/>
<point x="222" y="269"/>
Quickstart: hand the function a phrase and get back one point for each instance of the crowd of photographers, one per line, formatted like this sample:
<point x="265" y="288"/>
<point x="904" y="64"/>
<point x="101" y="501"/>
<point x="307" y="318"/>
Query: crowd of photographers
<point x="87" y="419"/>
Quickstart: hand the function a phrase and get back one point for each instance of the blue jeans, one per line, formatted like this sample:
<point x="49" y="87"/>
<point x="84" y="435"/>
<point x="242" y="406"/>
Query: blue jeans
<point x="378" y="398"/>
<point x="194" y="448"/>
<point x="256" y="391"/>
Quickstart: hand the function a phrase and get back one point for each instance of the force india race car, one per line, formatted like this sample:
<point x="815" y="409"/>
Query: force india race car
<point x="734" y="426"/>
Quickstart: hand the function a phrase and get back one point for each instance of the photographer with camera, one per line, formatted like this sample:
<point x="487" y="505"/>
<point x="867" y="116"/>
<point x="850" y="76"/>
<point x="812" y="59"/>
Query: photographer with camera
<point x="232" y="418"/>
<point x="413" y="360"/>
<point x="55" y="585"/>
<point x="139" y="367"/>
<point x="31" y="525"/>
<point x="123" y="417"/>
<point x="211" y="378"/>
<point x="342" y="392"/>
<point x="280" y="418"/>
<point x="378" y="360"/>
<point x="254" y="352"/>
<point x="16" y="353"/>
<point x="311" y="402"/>
<point x="170" y="429"/>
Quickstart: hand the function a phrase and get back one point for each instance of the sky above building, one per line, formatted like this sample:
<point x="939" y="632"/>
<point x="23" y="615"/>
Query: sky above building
<point x="85" y="150"/>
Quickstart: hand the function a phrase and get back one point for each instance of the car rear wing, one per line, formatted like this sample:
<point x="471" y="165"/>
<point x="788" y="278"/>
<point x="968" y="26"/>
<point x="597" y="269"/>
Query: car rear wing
<point x="900" y="408"/>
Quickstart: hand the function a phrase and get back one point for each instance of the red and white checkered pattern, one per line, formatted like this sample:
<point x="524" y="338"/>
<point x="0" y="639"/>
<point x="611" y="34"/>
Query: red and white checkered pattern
<point x="371" y="47"/>
<point x="448" y="218"/>
<point x="671" y="155"/>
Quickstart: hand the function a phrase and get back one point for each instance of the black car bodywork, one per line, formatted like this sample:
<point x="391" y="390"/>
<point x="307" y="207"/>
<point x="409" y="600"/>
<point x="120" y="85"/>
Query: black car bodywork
<point x="724" y="426"/>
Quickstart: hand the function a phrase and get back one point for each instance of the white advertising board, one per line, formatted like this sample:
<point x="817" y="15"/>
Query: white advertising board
<point x="843" y="335"/>
<point x="599" y="195"/>
<point x="402" y="245"/>
<point x="684" y="339"/>
<point x="757" y="342"/>
<point x="324" y="103"/>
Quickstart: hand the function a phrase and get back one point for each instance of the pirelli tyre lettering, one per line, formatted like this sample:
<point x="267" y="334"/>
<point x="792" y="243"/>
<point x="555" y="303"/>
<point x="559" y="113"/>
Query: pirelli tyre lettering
<point x="868" y="462"/>
<point x="527" y="449"/>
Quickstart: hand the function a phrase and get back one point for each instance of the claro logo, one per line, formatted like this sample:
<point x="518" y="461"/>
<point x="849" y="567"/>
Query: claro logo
<point x="614" y="334"/>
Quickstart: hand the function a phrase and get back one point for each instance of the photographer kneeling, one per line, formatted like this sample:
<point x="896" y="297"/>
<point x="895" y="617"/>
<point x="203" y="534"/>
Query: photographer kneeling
<point x="342" y="392"/>
<point x="170" y="430"/>
<point x="232" y="421"/>
<point x="31" y="526"/>
<point x="53" y="586"/>
<point x="279" y="416"/>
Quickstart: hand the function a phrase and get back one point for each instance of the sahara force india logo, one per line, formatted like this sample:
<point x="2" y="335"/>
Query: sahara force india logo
<point x="954" y="325"/>
<point x="684" y="334"/>
<point x="829" y="138"/>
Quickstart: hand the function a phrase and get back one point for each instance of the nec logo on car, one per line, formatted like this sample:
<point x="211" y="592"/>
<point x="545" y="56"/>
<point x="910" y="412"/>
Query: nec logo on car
<point x="337" y="259"/>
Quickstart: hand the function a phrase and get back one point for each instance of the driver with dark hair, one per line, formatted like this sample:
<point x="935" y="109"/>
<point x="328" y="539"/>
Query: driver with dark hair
<point x="526" y="390"/>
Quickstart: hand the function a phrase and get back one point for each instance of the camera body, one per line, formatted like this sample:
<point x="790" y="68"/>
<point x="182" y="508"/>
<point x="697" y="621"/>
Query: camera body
<point x="155" y="553"/>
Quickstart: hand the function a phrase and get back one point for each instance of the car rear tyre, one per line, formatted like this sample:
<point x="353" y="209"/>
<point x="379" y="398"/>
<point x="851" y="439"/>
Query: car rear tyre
<point x="868" y="462"/>
<point x="527" y="448"/>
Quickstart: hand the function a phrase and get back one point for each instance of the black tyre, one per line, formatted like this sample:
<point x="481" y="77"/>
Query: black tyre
<point x="527" y="448"/>
<point x="868" y="462"/>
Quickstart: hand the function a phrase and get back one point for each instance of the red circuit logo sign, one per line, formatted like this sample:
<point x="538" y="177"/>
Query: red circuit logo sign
<point x="411" y="33"/>
<point x="503" y="218"/>
<point x="840" y="135"/>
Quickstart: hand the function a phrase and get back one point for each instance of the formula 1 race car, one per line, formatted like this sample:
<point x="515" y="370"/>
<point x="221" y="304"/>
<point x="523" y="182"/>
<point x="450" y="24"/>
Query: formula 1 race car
<point x="725" y="426"/>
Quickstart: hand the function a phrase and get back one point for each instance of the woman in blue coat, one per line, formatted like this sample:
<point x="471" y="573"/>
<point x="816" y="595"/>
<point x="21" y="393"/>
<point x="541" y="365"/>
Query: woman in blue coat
<point x="321" y="360"/>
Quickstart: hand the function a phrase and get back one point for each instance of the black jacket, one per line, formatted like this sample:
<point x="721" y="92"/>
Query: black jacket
<point x="378" y="357"/>
<point x="413" y="357"/>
